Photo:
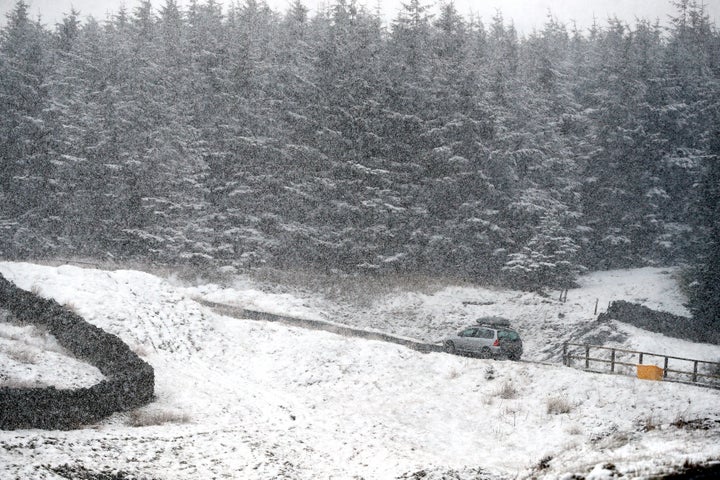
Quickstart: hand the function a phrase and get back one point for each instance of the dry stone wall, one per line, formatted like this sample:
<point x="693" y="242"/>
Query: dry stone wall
<point x="660" y="322"/>
<point x="129" y="381"/>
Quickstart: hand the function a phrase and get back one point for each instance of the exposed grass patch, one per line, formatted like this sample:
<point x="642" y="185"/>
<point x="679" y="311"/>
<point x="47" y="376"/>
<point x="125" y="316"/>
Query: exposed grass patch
<point x="22" y="354"/>
<point x="648" y="423"/>
<point x="696" y="423"/>
<point x="558" y="405"/>
<point x="81" y="473"/>
<point x="507" y="391"/>
<point x="453" y="374"/>
<point x="147" y="418"/>
<point x="544" y="463"/>
<point x="71" y="307"/>
<point x="574" y="429"/>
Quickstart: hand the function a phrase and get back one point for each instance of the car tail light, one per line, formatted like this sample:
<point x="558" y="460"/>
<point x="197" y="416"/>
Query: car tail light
<point x="496" y="343"/>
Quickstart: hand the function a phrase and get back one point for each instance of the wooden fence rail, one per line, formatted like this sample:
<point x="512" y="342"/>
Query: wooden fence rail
<point x="702" y="373"/>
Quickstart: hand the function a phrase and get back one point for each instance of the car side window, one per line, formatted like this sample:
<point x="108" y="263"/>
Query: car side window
<point x="508" y="334"/>
<point x="484" y="333"/>
<point x="468" y="332"/>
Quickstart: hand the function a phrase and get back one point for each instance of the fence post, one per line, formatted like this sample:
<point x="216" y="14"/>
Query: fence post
<point x="640" y="358"/>
<point x="563" y="295"/>
<point x="665" y="369"/>
<point x="597" y="300"/>
<point x="612" y="360"/>
<point x="565" y="352"/>
<point x="587" y="356"/>
<point x="694" y="377"/>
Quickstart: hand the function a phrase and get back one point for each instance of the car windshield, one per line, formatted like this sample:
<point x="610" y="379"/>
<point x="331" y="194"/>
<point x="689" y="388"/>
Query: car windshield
<point x="508" y="335"/>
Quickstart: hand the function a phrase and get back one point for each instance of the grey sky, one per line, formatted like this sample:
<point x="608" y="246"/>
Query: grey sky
<point x="526" y="14"/>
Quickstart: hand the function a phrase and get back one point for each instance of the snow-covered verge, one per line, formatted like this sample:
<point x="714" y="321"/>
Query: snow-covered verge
<point x="248" y="399"/>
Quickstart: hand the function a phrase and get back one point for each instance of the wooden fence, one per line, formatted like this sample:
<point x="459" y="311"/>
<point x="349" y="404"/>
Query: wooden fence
<point x="622" y="361"/>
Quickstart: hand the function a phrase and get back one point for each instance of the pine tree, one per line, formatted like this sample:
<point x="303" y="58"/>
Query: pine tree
<point x="74" y="85"/>
<point x="25" y="168"/>
<point x="705" y="287"/>
<point x="623" y="193"/>
<point x="694" y="71"/>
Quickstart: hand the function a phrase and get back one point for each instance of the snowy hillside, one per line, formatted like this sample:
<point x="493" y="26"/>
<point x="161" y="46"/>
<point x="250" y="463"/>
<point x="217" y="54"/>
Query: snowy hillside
<point x="252" y="400"/>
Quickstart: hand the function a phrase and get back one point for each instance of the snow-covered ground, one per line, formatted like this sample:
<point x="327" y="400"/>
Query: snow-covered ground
<point x="254" y="400"/>
<point x="29" y="357"/>
<point x="544" y="322"/>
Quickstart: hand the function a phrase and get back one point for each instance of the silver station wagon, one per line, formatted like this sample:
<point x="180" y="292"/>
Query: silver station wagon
<point x="491" y="338"/>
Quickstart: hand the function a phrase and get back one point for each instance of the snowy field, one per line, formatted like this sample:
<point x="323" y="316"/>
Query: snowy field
<point x="252" y="400"/>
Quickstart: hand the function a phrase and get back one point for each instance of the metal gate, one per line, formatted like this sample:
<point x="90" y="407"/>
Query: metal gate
<point x="622" y="361"/>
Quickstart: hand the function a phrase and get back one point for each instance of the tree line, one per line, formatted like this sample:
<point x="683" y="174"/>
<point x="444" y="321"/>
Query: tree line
<point x="436" y="143"/>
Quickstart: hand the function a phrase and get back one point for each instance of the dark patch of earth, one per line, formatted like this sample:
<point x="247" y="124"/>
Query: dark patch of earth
<point x="695" y="472"/>
<point x="78" y="472"/>
<point x="444" y="474"/>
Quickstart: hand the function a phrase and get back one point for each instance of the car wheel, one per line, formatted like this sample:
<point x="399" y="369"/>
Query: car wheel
<point x="485" y="353"/>
<point x="449" y="347"/>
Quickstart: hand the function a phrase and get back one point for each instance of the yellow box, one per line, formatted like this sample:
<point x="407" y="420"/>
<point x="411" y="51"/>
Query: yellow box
<point x="649" y="372"/>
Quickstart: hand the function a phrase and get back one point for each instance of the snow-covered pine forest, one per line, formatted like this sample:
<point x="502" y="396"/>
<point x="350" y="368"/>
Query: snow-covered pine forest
<point x="244" y="137"/>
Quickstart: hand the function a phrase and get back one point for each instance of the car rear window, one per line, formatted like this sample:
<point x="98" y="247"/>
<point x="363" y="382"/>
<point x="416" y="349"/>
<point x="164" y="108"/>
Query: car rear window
<point x="508" y="335"/>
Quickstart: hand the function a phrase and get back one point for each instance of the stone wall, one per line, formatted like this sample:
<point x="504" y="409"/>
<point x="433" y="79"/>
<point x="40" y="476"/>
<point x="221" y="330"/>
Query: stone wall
<point x="239" y="312"/>
<point x="129" y="382"/>
<point x="660" y="322"/>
